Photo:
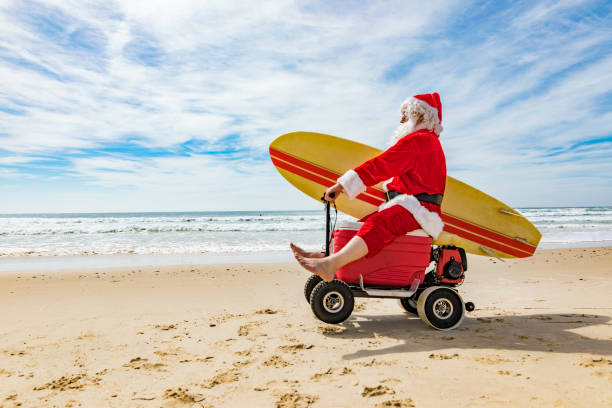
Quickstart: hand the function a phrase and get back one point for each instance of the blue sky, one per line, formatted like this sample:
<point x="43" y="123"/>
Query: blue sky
<point x="170" y="106"/>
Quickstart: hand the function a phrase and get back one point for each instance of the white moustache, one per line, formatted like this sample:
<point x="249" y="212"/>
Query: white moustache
<point x="402" y="130"/>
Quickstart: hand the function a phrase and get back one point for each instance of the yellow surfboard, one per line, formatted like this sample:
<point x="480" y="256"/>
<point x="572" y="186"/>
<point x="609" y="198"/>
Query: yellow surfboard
<point x="472" y="219"/>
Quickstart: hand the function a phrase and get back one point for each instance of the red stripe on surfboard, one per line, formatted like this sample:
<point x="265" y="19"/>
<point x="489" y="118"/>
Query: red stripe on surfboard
<point x="485" y="242"/>
<point x="317" y="179"/>
<point x="488" y="233"/>
<point x="304" y="164"/>
<point x="322" y="176"/>
<point x="302" y="173"/>
<point x="319" y="170"/>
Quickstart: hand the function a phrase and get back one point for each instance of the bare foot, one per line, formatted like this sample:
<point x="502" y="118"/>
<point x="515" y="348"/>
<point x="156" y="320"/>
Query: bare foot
<point x="322" y="267"/>
<point x="305" y="254"/>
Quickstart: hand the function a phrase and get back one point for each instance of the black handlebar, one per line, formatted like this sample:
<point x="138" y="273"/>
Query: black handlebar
<point x="331" y="195"/>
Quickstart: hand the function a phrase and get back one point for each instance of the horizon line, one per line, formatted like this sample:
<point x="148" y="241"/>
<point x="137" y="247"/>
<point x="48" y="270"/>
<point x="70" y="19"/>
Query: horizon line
<point x="239" y="211"/>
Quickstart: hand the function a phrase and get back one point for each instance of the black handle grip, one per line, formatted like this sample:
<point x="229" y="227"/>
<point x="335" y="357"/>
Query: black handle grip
<point x="331" y="195"/>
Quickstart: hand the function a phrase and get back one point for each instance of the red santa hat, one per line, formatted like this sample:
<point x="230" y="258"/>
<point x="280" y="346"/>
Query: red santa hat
<point x="430" y="106"/>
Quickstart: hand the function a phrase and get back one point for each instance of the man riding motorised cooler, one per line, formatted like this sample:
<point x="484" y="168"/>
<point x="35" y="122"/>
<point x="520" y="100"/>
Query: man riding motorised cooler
<point x="414" y="168"/>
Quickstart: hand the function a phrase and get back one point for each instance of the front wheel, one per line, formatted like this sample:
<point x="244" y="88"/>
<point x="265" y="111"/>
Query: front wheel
<point x="441" y="308"/>
<point x="332" y="302"/>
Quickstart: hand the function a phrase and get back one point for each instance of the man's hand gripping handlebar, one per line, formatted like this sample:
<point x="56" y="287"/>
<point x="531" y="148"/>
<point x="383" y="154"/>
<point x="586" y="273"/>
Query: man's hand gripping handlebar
<point x="333" y="192"/>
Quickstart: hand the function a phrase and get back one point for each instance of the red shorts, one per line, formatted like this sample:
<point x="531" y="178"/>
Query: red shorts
<point x="382" y="227"/>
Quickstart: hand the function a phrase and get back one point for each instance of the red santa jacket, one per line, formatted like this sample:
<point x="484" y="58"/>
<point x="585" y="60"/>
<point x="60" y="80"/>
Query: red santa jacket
<point x="415" y="164"/>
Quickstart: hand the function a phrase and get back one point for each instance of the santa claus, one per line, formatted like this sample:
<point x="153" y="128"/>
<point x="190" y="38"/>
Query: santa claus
<point x="414" y="168"/>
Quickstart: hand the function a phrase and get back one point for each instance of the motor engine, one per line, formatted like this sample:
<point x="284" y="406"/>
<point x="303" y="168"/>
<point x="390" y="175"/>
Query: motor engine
<point x="451" y="264"/>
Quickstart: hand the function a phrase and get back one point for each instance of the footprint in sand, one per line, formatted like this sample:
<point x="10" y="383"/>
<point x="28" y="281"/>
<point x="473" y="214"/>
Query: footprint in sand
<point x="183" y="395"/>
<point x="369" y="392"/>
<point x="296" y="400"/>
<point x="276" y="361"/>
<point x="139" y="363"/>
<point x="346" y="371"/>
<point x="596" y="362"/>
<point x="361" y="307"/>
<point x="5" y="372"/>
<point x="331" y="330"/>
<point x="72" y="382"/>
<point x="245" y="329"/>
<point x="216" y="320"/>
<point x="169" y="352"/>
<point x="229" y="376"/>
<point x="318" y="376"/>
<point x="294" y="348"/>
<point x="375" y="362"/>
<point x="241" y="363"/>
<point x="12" y="397"/>
<point x="443" y="356"/>
<point x="267" y="311"/>
<point x="600" y="365"/>
<point x="398" y="403"/>
<point x="166" y="327"/>
<point x="492" y="360"/>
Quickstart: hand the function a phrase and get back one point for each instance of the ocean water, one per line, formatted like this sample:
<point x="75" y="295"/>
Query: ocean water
<point x="192" y="233"/>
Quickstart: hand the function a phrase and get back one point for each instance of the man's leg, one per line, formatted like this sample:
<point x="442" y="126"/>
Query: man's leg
<point x="378" y="231"/>
<point x="326" y="267"/>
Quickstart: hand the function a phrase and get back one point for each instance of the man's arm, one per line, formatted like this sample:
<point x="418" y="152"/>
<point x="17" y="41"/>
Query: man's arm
<point x="394" y="161"/>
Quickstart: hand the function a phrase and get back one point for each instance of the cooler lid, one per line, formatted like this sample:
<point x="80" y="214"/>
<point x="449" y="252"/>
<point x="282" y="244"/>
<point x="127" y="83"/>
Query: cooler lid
<point x="355" y="226"/>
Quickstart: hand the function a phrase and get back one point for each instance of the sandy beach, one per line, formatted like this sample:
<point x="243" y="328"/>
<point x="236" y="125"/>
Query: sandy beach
<point x="244" y="336"/>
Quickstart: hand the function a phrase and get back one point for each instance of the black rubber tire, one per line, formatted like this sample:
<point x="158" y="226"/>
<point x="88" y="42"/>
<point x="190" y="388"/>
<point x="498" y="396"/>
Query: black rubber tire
<point x="310" y="284"/>
<point x="441" y="296"/>
<point x="469" y="306"/>
<point x="405" y="303"/>
<point x="332" y="302"/>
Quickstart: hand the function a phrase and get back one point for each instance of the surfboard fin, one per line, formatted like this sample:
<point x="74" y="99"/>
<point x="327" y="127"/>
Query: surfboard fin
<point x="489" y="252"/>
<point x="522" y="240"/>
<point x="504" y="211"/>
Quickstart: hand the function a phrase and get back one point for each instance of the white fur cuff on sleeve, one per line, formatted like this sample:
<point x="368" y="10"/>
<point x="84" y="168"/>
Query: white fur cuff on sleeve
<point x="352" y="184"/>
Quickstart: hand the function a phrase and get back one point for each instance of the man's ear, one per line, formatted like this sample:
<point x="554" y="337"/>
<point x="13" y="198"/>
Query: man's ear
<point x="419" y="119"/>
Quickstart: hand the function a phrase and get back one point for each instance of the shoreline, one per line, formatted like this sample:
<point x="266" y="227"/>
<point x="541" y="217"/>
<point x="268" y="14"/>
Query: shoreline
<point x="243" y="335"/>
<point x="22" y="264"/>
<point x="99" y="262"/>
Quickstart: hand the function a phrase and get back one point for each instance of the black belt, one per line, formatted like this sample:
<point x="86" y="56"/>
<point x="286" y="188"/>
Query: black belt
<point x="426" y="198"/>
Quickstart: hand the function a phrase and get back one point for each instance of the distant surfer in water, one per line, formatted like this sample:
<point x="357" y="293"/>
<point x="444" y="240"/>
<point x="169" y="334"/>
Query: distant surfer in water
<point x="414" y="168"/>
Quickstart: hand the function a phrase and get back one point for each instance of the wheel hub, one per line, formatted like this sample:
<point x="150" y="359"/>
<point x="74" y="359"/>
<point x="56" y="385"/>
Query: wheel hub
<point x="333" y="302"/>
<point x="443" y="308"/>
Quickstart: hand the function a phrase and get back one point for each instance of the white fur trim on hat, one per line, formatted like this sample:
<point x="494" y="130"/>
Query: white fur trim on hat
<point x="430" y="114"/>
<point x="352" y="184"/>
<point x="428" y="220"/>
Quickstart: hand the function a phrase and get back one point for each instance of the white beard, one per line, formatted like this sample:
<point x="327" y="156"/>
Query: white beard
<point x="402" y="130"/>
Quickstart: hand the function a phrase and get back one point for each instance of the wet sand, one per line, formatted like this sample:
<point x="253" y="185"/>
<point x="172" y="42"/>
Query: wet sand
<point x="244" y="336"/>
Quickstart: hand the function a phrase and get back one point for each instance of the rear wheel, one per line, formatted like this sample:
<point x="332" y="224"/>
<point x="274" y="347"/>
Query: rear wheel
<point x="332" y="302"/>
<point x="409" y="305"/>
<point x="441" y="308"/>
<point x="310" y="284"/>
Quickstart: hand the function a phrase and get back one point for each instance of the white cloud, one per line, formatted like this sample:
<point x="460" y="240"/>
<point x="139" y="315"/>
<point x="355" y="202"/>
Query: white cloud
<point x="518" y="88"/>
